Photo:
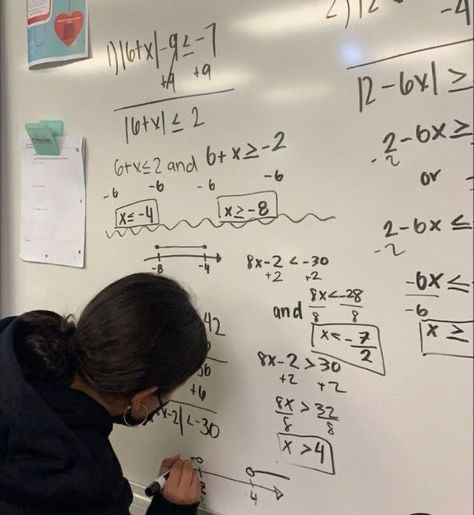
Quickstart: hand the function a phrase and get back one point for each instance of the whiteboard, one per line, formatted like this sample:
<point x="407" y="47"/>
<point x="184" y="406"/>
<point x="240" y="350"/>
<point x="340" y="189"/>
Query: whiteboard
<point x="305" y="169"/>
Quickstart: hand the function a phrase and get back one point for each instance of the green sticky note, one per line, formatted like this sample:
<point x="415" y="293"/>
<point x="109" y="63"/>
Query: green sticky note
<point x="44" y="142"/>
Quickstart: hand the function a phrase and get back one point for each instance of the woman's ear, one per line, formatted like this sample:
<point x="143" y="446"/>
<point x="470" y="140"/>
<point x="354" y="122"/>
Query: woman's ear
<point x="142" y="397"/>
<point x="145" y="402"/>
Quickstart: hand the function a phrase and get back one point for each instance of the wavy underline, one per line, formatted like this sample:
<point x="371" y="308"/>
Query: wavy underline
<point x="218" y="225"/>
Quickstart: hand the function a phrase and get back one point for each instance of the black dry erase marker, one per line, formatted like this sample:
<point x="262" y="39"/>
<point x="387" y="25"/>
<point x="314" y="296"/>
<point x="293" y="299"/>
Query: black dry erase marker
<point x="157" y="485"/>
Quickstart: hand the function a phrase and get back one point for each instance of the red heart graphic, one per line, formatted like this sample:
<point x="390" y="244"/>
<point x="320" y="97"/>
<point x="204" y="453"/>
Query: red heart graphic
<point x="68" y="26"/>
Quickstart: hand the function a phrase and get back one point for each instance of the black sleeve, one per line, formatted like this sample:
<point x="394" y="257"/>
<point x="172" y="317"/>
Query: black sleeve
<point x="160" y="506"/>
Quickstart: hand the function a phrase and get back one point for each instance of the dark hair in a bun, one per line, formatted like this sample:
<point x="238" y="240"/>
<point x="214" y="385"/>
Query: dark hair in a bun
<point x="139" y="331"/>
<point x="47" y="348"/>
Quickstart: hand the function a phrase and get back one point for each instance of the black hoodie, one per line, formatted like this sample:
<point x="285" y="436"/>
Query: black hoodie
<point x="55" y="455"/>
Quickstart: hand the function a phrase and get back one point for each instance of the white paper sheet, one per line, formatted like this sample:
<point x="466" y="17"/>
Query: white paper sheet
<point x="53" y="204"/>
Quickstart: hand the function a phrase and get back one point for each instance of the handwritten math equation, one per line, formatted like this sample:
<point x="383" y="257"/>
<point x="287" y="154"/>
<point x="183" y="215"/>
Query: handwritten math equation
<point x="165" y="53"/>
<point x="201" y="185"/>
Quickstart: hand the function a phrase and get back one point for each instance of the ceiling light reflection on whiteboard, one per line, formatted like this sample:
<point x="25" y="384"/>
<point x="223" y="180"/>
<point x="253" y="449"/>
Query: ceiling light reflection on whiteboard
<point x="352" y="53"/>
<point x="289" y="19"/>
<point x="296" y="93"/>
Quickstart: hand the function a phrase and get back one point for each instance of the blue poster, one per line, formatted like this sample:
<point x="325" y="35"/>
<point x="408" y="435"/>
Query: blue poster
<point x="57" y="31"/>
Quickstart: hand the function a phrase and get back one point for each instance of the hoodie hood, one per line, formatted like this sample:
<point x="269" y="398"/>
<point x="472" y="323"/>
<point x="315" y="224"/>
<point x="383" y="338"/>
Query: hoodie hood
<point x="43" y="430"/>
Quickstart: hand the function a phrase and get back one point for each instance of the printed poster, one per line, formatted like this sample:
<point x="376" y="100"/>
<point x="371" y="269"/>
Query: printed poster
<point x="57" y="31"/>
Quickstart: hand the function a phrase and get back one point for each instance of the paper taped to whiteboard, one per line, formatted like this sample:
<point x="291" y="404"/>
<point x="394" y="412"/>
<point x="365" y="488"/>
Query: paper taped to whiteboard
<point x="53" y="204"/>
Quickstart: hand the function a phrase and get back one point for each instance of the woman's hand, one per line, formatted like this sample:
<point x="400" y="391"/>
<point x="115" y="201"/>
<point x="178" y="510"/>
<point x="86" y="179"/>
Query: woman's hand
<point x="182" y="486"/>
<point x="167" y="464"/>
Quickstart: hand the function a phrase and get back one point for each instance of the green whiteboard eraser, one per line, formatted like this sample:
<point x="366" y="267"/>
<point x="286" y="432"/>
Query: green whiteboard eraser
<point x="42" y="139"/>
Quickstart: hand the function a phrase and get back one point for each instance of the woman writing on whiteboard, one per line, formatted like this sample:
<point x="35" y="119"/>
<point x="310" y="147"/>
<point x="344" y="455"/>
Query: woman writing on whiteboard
<point x="62" y="386"/>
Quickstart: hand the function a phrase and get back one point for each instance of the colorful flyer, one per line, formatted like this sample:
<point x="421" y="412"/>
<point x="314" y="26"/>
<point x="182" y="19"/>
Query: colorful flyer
<point x="57" y="31"/>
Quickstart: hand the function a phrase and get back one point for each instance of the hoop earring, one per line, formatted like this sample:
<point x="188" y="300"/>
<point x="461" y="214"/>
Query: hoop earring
<point x="128" y="410"/>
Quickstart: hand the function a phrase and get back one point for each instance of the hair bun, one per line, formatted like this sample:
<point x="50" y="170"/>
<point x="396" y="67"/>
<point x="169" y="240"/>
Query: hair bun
<point x="47" y="348"/>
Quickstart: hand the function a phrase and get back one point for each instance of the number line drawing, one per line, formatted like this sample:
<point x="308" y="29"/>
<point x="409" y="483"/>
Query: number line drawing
<point x="217" y="257"/>
<point x="278" y="493"/>
<point x="158" y="247"/>
<point x="251" y="472"/>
